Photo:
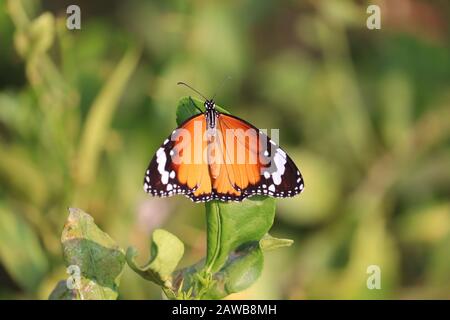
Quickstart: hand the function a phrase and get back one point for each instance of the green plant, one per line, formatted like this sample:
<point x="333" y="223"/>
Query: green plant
<point x="237" y="236"/>
<point x="363" y="113"/>
<point x="95" y="262"/>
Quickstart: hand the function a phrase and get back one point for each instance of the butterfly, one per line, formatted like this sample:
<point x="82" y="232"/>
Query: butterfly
<point x="217" y="156"/>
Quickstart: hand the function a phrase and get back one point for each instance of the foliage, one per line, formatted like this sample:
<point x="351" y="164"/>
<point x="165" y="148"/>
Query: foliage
<point x="363" y="113"/>
<point x="94" y="260"/>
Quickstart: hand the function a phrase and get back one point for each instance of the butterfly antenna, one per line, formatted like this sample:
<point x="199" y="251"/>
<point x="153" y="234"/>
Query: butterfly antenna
<point x="221" y="86"/>
<point x="185" y="84"/>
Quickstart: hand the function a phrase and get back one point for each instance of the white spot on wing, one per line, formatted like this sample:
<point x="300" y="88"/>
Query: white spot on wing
<point x="283" y="154"/>
<point x="161" y="159"/>
<point x="280" y="162"/>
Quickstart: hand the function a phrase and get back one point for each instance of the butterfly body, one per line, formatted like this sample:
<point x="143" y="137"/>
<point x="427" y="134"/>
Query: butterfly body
<point x="217" y="156"/>
<point x="211" y="114"/>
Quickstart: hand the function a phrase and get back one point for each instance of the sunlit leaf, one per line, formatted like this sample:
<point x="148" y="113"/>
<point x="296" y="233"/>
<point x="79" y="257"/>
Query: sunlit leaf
<point x="231" y="225"/>
<point x="95" y="255"/>
<point x="268" y="243"/>
<point x="166" y="251"/>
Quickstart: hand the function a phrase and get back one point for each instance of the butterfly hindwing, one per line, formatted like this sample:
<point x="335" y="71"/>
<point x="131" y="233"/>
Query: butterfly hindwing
<point x="160" y="178"/>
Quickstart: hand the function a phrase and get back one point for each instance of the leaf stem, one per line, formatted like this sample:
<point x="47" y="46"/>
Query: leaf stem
<point x="210" y="262"/>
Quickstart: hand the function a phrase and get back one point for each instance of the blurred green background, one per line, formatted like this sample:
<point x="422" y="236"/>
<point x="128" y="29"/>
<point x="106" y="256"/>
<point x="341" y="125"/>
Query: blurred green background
<point x="364" y="113"/>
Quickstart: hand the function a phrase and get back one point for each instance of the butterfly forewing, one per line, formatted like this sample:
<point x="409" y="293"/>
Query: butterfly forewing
<point x="174" y="170"/>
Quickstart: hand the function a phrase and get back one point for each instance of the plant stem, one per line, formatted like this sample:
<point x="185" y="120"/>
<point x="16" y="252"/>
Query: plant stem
<point x="210" y="261"/>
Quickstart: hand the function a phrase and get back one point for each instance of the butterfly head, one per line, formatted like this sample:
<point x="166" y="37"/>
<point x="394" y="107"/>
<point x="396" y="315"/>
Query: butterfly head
<point x="210" y="113"/>
<point x="210" y="105"/>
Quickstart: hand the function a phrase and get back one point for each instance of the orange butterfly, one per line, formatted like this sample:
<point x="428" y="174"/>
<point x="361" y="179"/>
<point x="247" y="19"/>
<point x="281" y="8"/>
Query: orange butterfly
<point x="217" y="156"/>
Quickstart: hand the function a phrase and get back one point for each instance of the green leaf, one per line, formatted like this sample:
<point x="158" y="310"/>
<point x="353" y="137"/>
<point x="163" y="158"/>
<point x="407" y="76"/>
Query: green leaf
<point x="242" y="269"/>
<point x="187" y="108"/>
<point x="20" y="252"/>
<point x="268" y="243"/>
<point x="166" y="251"/>
<point x="95" y="254"/>
<point x="230" y="225"/>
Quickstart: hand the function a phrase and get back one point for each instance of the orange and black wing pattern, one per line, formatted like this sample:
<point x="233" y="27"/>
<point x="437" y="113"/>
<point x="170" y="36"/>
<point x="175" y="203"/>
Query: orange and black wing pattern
<point x="176" y="169"/>
<point x="230" y="162"/>
<point x="273" y="173"/>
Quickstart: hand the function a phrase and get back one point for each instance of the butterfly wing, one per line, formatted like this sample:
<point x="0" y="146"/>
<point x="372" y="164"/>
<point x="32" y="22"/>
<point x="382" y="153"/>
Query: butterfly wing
<point x="253" y="164"/>
<point x="232" y="162"/>
<point x="178" y="166"/>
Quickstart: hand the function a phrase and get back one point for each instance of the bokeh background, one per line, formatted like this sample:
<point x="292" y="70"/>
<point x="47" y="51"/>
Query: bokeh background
<point x="364" y="113"/>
